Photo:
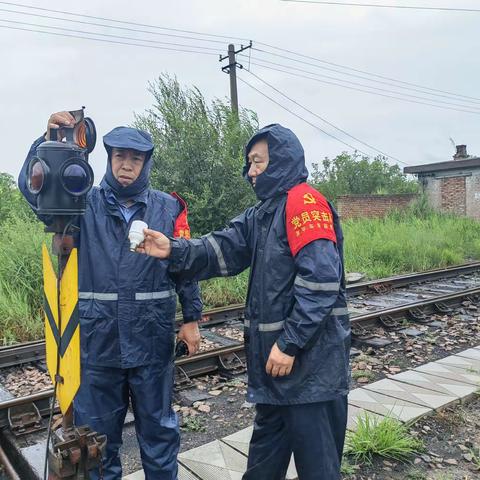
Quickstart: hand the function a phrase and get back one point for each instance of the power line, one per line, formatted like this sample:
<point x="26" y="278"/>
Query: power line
<point x="136" y="30"/>
<point x="377" y="5"/>
<point x="351" y="69"/>
<point x="121" y="21"/>
<point x="108" y="41"/>
<point x="301" y="118"/>
<point x="218" y="36"/>
<point x="365" y="91"/>
<point x="325" y="120"/>
<point x="109" y="35"/>
<point x="474" y="107"/>
<point x="449" y="95"/>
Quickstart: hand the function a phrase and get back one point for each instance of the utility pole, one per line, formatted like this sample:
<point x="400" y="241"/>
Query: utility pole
<point x="231" y="69"/>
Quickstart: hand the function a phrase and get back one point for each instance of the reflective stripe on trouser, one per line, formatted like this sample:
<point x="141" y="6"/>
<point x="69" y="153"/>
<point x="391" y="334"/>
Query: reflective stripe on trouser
<point x="114" y="296"/>
<point x="102" y="403"/>
<point x="314" y="432"/>
<point x="274" y="326"/>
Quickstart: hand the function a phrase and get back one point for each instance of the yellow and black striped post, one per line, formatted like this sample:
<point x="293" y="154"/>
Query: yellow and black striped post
<point x="62" y="330"/>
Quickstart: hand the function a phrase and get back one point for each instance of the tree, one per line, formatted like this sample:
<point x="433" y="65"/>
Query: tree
<point x="12" y="203"/>
<point x="199" y="152"/>
<point x="352" y="174"/>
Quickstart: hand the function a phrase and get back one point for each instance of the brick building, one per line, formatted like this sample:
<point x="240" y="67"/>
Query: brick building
<point x="371" y="206"/>
<point x="453" y="186"/>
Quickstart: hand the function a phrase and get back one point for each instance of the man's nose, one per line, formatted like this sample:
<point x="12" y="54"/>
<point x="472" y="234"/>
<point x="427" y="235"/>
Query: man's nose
<point x="127" y="165"/>
<point x="252" y="171"/>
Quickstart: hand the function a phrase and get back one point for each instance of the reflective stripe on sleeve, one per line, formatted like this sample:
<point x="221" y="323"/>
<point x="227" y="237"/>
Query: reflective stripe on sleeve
<point x="219" y="254"/>
<point x="338" y="312"/>
<point x="318" y="287"/>
<point x="266" y="327"/>
<point x="154" y="295"/>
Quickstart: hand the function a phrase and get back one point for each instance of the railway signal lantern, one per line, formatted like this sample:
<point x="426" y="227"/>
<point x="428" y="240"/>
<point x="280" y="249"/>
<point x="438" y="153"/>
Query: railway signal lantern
<point x="60" y="177"/>
<point x="59" y="174"/>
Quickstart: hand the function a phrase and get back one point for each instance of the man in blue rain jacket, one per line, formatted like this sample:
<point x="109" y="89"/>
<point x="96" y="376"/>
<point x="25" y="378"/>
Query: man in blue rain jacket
<point x="127" y="307"/>
<point x="297" y="331"/>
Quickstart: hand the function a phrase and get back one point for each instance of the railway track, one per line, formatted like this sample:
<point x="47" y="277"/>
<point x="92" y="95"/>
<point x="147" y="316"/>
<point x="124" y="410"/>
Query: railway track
<point x="393" y="303"/>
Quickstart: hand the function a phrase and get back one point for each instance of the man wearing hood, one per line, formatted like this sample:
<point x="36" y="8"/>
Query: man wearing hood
<point x="127" y="306"/>
<point x="297" y="330"/>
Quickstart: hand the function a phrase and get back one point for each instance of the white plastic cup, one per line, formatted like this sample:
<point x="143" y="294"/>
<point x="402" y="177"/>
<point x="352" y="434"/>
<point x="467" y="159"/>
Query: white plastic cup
<point x="135" y="235"/>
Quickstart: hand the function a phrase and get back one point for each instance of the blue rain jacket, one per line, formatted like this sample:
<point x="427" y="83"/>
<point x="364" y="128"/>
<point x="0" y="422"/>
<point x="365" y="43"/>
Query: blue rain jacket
<point x="127" y="301"/>
<point x="299" y="301"/>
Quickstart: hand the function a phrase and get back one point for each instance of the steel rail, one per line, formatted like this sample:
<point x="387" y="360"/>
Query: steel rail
<point x="208" y="362"/>
<point x="34" y="351"/>
<point x="426" y="305"/>
<point x="402" y="280"/>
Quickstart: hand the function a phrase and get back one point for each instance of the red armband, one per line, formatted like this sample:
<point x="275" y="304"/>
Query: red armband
<point x="308" y="217"/>
<point x="182" y="228"/>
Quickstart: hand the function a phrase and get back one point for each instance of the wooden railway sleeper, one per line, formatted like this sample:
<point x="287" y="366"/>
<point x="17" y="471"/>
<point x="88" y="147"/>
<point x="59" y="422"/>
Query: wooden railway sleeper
<point x="182" y="380"/>
<point x="418" y="315"/>
<point x="361" y="333"/>
<point x="232" y="363"/>
<point x="381" y="288"/>
<point x="390" y="323"/>
<point x="24" y="419"/>
<point x="441" y="307"/>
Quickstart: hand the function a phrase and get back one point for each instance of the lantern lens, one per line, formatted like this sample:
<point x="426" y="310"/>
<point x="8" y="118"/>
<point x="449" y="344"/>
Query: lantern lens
<point x="76" y="179"/>
<point x="36" y="178"/>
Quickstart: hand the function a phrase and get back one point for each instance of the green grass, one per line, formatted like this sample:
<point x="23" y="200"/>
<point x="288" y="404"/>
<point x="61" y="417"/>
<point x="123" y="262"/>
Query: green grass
<point x="21" y="280"/>
<point x="193" y="424"/>
<point x="218" y="292"/>
<point x="347" y="468"/>
<point x="401" y="243"/>
<point x="368" y="374"/>
<point x="385" y="437"/>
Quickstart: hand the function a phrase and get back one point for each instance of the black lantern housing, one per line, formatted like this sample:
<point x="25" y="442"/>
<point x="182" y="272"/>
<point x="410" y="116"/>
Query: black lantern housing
<point x="59" y="174"/>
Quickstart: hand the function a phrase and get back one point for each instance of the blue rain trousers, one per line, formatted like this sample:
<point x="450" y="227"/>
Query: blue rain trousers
<point x="313" y="432"/>
<point x="104" y="409"/>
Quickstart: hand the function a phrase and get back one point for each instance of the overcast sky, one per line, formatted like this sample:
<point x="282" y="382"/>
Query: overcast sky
<point x="41" y="74"/>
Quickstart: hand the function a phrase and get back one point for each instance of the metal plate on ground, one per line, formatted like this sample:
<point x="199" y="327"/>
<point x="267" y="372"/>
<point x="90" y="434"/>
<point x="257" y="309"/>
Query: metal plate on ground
<point x="5" y="394"/>
<point x="411" y="332"/>
<point x="411" y="393"/>
<point x="192" y="395"/>
<point x="447" y="386"/>
<point x="387" y="406"/>
<point x="374" y="342"/>
<point x="218" y="339"/>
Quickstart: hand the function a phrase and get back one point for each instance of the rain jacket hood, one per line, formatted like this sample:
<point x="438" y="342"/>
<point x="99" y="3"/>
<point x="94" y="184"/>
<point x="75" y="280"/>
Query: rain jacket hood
<point x="131" y="138"/>
<point x="286" y="167"/>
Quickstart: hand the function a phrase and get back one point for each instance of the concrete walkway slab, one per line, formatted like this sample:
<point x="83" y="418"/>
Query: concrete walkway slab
<point x="406" y="396"/>
<point x="450" y="372"/>
<point x="411" y="393"/>
<point x="387" y="406"/>
<point x="447" y="386"/>
<point x="470" y="353"/>
<point x="214" y="460"/>
<point x="354" y="413"/>
<point x="240" y="441"/>
<point x="465" y="363"/>
<point x="183" y="474"/>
